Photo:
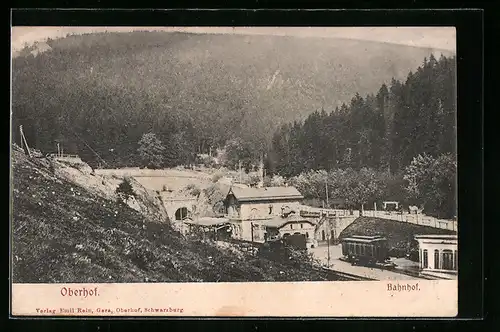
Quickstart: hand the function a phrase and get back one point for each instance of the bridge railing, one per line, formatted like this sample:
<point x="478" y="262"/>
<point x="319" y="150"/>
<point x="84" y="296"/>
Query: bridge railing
<point x="321" y="212"/>
<point x="418" y="219"/>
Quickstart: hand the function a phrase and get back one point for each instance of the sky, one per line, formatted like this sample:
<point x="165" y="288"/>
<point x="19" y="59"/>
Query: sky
<point x="430" y="37"/>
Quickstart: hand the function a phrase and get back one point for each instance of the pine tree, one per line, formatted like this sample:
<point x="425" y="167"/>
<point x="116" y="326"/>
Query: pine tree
<point x="125" y="187"/>
<point x="151" y="151"/>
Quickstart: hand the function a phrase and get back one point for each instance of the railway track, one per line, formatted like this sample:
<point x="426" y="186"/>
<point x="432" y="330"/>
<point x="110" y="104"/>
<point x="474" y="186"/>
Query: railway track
<point x="352" y="277"/>
<point x="343" y="276"/>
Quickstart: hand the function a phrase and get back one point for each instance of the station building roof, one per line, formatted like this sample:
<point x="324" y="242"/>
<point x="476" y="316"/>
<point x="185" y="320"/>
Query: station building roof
<point x="279" y="222"/>
<point x="265" y="194"/>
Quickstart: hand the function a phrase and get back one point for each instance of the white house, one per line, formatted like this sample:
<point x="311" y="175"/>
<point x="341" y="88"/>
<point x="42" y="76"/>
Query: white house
<point x="293" y="224"/>
<point x="438" y="255"/>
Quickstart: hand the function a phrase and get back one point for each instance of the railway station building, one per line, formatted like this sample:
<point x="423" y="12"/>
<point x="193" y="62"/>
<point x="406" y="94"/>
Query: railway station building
<point x="252" y="212"/>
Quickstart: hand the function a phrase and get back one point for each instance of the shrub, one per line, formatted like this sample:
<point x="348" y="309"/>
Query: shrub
<point x="254" y="179"/>
<point x="267" y="181"/>
<point x="209" y="163"/>
<point x="213" y="194"/>
<point x="193" y="189"/>
<point x="216" y="177"/>
<point x="125" y="188"/>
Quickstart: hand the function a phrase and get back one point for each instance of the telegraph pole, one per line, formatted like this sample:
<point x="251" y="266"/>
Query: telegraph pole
<point x="251" y="229"/>
<point x="24" y="142"/>
<point x="239" y="167"/>
<point x="328" y="243"/>
<point x="326" y="190"/>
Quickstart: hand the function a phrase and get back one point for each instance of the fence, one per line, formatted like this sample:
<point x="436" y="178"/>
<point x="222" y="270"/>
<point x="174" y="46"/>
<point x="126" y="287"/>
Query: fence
<point x="418" y="219"/>
<point x="306" y="210"/>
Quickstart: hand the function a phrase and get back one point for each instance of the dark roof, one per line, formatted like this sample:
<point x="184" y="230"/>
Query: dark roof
<point x="437" y="236"/>
<point x="265" y="194"/>
<point x="367" y="237"/>
<point x="364" y="239"/>
<point x="279" y="222"/>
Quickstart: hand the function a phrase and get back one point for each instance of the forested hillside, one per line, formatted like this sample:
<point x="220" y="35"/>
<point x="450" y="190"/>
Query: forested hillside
<point x="383" y="131"/>
<point x="103" y="92"/>
<point x="398" y="144"/>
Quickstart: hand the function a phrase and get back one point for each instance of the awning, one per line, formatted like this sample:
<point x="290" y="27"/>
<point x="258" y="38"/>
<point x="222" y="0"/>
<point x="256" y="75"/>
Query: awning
<point x="208" y="221"/>
<point x="279" y="222"/>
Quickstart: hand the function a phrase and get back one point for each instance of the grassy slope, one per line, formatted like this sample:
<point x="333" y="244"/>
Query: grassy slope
<point x="398" y="234"/>
<point x="63" y="233"/>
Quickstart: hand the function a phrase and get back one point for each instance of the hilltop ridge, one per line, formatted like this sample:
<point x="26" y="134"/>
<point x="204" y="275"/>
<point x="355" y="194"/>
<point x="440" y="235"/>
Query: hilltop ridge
<point x="223" y="86"/>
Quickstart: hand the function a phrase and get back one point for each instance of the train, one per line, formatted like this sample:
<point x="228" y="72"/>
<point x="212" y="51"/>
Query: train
<point x="366" y="251"/>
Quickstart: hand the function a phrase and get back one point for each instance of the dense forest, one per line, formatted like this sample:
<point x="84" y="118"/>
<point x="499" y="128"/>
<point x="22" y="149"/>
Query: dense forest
<point x="399" y="144"/>
<point x="383" y="131"/>
<point x="103" y="91"/>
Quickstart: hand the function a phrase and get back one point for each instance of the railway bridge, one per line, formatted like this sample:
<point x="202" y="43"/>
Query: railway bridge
<point x="330" y="223"/>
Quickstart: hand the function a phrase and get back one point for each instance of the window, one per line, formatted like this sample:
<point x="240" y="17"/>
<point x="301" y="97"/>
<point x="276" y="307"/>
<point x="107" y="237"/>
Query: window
<point x="425" y="259"/>
<point x="270" y="209"/>
<point x="291" y="226"/>
<point x="447" y="260"/>
<point x="421" y="258"/>
<point x="301" y="225"/>
<point x="436" y="259"/>
<point x="307" y="235"/>
<point x="455" y="260"/>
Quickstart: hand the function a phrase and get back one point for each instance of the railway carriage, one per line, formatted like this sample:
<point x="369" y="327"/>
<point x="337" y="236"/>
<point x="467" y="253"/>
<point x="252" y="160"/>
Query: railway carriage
<point x="365" y="250"/>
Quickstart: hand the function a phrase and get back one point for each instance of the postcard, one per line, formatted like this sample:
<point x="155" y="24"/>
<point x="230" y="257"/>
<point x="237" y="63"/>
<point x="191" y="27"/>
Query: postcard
<point x="234" y="172"/>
